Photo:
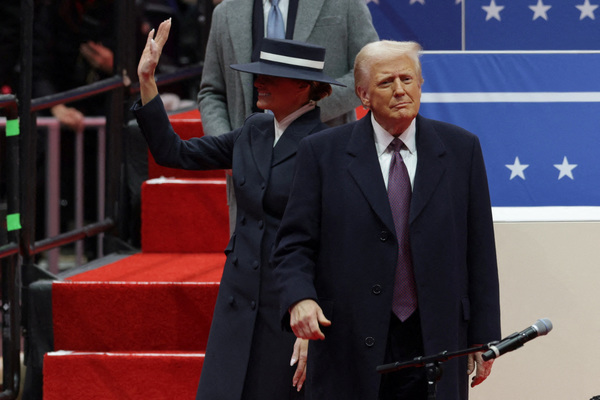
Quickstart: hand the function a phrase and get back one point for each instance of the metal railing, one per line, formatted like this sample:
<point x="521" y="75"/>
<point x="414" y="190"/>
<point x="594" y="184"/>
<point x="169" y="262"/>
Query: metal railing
<point x="17" y="254"/>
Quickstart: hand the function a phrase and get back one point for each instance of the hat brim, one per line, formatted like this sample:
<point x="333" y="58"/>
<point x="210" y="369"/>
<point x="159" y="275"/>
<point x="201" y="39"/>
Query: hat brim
<point x="282" y="71"/>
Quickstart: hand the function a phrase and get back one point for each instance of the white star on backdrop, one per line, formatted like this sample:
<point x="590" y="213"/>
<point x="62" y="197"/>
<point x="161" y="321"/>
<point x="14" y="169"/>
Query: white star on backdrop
<point x="516" y="169"/>
<point x="458" y="1"/>
<point x="587" y="10"/>
<point x="417" y="1"/>
<point x="540" y="10"/>
<point x="493" y="11"/>
<point x="565" y="169"/>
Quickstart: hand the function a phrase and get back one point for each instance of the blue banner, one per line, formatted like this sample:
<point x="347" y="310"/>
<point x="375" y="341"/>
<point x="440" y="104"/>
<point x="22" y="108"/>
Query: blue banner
<point x="537" y="116"/>
<point x="490" y="24"/>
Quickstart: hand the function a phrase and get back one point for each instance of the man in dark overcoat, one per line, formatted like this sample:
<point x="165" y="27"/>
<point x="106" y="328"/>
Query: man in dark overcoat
<point x="338" y="247"/>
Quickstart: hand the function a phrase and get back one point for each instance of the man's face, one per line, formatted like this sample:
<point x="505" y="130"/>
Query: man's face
<point x="393" y="93"/>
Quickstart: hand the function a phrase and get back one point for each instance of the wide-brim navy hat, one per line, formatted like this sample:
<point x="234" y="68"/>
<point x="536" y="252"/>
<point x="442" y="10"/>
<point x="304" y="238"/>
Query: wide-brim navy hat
<point x="289" y="59"/>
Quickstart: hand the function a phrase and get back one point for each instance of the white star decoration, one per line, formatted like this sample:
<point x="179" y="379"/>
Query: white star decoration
<point x="493" y="11"/>
<point x="587" y="10"/>
<point x="417" y="1"/>
<point x="516" y="169"/>
<point x="540" y="10"/>
<point x="565" y="169"/>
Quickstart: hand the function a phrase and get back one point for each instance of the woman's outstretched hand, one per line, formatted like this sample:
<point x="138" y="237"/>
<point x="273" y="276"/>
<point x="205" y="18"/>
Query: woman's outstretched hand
<point x="149" y="60"/>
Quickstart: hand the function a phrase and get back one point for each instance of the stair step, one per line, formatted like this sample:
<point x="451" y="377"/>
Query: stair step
<point x="121" y="375"/>
<point x="184" y="215"/>
<point x="132" y="316"/>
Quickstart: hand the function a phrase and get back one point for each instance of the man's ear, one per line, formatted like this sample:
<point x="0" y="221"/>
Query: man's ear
<point x="363" y="95"/>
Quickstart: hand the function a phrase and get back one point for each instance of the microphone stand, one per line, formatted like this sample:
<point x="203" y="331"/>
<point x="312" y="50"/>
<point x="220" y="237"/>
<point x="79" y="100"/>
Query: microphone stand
<point x="432" y="365"/>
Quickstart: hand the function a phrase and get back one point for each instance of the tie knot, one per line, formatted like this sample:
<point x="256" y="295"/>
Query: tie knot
<point x="274" y="3"/>
<point x="396" y="144"/>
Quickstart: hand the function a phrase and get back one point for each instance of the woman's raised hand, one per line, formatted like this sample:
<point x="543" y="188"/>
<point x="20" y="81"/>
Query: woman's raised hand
<point x="149" y="60"/>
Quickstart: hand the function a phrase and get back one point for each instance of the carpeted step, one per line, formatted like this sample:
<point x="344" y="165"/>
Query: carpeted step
<point x="184" y="216"/>
<point x="186" y="127"/>
<point x="119" y="376"/>
<point x="144" y="302"/>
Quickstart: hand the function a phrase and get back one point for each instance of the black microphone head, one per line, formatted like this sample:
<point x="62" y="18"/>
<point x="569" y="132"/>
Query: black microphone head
<point x="543" y="326"/>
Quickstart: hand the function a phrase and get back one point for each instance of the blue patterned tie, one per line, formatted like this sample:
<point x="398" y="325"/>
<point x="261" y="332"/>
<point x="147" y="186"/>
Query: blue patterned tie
<point x="404" y="302"/>
<point x="275" y="26"/>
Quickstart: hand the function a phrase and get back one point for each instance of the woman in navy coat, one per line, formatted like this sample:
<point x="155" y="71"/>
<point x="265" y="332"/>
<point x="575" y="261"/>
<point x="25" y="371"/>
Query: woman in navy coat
<point x="248" y="354"/>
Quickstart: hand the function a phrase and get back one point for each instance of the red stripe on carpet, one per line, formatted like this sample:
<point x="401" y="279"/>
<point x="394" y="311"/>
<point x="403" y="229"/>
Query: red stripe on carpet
<point x="121" y="376"/>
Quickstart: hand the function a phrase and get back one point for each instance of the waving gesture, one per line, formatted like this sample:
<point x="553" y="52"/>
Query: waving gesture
<point x="149" y="60"/>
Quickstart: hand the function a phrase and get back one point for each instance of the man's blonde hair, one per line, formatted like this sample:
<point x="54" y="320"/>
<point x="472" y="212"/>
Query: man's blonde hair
<point x="384" y="50"/>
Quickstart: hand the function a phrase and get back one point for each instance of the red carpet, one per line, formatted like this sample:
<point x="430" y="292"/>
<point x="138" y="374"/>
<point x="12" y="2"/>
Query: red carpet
<point x="137" y="328"/>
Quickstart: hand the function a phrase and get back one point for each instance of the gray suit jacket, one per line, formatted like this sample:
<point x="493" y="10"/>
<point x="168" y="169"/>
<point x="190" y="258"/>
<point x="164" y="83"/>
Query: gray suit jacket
<point x="343" y="27"/>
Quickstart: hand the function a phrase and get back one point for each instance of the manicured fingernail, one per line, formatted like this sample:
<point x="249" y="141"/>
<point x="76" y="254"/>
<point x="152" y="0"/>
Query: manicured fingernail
<point x="292" y="362"/>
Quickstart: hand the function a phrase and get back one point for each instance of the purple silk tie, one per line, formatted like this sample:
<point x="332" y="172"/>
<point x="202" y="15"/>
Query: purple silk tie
<point x="404" y="302"/>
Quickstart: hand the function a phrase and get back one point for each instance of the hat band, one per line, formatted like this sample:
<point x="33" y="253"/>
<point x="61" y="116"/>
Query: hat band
<point x="299" y="62"/>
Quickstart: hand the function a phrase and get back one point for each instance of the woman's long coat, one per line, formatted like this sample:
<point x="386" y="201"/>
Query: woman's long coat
<point x="248" y="355"/>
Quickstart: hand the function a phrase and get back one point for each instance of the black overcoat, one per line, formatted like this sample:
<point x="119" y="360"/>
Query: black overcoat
<point x="337" y="245"/>
<point x="247" y="350"/>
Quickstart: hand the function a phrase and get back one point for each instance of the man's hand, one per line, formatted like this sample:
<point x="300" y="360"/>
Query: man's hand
<point x="305" y="318"/>
<point x="299" y="356"/>
<point x="483" y="369"/>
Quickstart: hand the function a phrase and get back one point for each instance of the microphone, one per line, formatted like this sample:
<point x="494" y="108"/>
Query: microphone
<point x="518" y="339"/>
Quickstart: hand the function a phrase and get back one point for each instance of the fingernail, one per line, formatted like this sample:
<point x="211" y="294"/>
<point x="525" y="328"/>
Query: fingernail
<point x="292" y="362"/>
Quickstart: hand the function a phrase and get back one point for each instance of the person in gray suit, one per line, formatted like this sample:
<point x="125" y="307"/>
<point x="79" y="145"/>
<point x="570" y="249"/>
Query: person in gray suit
<point x="226" y="97"/>
<point x="248" y="355"/>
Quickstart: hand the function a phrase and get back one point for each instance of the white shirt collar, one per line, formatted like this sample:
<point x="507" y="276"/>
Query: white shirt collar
<point x="281" y="126"/>
<point x="383" y="138"/>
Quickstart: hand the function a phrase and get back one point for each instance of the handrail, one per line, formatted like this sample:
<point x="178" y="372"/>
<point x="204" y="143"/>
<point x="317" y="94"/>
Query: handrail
<point x="79" y="93"/>
<point x="72" y="236"/>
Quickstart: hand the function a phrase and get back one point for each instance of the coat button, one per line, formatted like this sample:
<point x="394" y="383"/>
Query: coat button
<point x="243" y="220"/>
<point x="384" y="235"/>
<point x="260" y="224"/>
<point x="234" y="260"/>
<point x="242" y="180"/>
<point x="255" y="265"/>
<point x="376" y="289"/>
<point x="253" y="305"/>
<point x="231" y="301"/>
<point x="369" y="341"/>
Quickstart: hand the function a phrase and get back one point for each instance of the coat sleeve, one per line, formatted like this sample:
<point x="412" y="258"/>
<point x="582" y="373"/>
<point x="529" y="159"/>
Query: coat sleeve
<point x="169" y="150"/>
<point x="481" y="257"/>
<point x="297" y="243"/>
<point x="359" y="32"/>
<point x="212" y="97"/>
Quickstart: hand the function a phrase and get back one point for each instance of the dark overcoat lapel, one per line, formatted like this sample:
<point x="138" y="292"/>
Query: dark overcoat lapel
<point x="430" y="168"/>
<point x="364" y="167"/>
<point x="261" y="146"/>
